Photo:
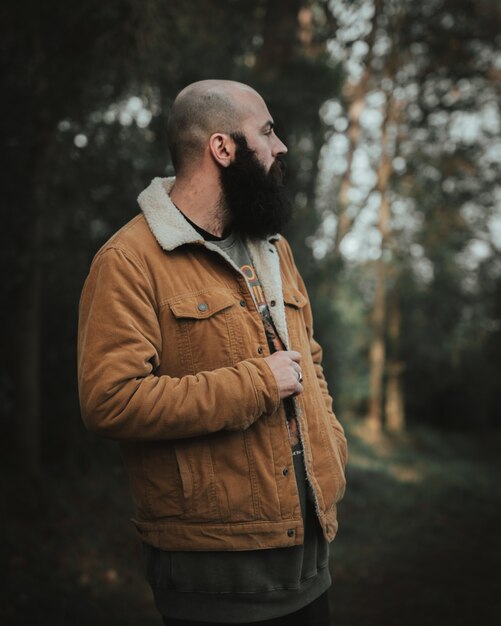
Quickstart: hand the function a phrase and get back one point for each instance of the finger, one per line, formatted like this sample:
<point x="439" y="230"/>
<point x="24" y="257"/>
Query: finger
<point x="296" y="367"/>
<point x="293" y="355"/>
<point x="298" y="371"/>
<point x="298" y="389"/>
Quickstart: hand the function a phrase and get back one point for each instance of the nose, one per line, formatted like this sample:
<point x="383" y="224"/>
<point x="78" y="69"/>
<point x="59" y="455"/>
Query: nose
<point x="280" y="148"/>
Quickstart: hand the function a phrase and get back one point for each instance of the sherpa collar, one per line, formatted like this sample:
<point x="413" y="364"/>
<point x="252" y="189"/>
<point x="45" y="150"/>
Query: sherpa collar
<point x="171" y="230"/>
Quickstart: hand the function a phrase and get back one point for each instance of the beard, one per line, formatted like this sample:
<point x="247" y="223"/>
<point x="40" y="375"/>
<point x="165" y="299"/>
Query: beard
<point x="255" y="199"/>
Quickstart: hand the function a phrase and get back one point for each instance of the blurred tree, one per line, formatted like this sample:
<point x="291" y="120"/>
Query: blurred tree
<point x="418" y="167"/>
<point x="42" y="46"/>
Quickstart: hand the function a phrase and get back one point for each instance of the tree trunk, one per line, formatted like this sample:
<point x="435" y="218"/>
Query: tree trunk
<point x="355" y="98"/>
<point x="395" y="411"/>
<point x="280" y="37"/>
<point x="27" y="357"/>
<point x="377" y="355"/>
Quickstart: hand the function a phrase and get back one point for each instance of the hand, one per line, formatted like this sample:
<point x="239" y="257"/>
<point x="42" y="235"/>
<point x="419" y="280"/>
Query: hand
<point x="285" y="367"/>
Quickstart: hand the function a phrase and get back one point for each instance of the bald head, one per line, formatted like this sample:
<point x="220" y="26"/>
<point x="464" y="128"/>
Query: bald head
<point x="200" y="110"/>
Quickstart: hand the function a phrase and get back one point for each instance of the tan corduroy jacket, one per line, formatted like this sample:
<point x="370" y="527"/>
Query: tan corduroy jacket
<point x="171" y="364"/>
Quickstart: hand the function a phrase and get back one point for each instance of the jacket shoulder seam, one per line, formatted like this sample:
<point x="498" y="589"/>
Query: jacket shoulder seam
<point x="130" y="256"/>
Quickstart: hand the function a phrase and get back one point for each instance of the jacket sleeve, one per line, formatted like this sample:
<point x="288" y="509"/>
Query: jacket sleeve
<point x="119" y="346"/>
<point x="316" y="355"/>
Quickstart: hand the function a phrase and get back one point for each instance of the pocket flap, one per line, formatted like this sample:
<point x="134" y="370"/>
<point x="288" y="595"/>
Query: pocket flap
<point x="201" y="305"/>
<point x="293" y="297"/>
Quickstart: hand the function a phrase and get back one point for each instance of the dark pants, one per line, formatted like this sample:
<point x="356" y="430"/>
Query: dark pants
<point x="314" y="614"/>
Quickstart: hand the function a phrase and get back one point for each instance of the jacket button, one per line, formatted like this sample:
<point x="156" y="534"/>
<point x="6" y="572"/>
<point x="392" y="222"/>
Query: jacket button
<point x="290" y="532"/>
<point x="260" y="349"/>
<point x="285" y="471"/>
<point x="243" y="303"/>
<point x="202" y="306"/>
<point x="272" y="303"/>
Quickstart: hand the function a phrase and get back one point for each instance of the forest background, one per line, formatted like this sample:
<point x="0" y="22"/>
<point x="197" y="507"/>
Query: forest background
<point x="390" y="110"/>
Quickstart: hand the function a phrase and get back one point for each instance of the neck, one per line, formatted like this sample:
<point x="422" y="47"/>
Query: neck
<point x="200" y="199"/>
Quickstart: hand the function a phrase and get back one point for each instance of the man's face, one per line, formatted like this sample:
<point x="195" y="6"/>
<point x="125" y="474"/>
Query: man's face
<point x="258" y="128"/>
<point x="253" y="193"/>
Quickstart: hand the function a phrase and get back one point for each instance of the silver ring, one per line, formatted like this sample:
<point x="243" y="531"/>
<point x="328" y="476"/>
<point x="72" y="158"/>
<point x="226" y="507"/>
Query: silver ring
<point x="300" y="376"/>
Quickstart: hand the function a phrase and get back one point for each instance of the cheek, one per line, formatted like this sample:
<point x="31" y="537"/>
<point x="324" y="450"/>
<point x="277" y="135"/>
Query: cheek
<point x="261" y="147"/>
<point x="265" y="156"/>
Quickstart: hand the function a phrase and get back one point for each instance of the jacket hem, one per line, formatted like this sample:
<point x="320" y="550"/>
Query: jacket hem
<point x="235" y="537"/>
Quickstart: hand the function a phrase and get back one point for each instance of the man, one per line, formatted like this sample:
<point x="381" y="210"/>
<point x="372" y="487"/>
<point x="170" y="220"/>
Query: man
<point x="196" y="353"/>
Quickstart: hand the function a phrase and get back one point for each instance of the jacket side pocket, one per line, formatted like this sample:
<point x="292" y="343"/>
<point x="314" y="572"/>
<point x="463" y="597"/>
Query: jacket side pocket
<point x="185" y="475"/>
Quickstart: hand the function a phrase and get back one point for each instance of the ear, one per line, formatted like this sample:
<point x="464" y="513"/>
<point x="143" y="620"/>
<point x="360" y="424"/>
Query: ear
<point x="222" y="148"/>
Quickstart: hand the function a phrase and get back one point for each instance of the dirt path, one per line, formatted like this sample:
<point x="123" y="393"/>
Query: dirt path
<point x="419" y="541"/>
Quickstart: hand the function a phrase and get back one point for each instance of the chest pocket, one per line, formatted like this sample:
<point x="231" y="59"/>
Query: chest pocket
<point x="294" y="304"/>
<point x="205" y="329"/>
